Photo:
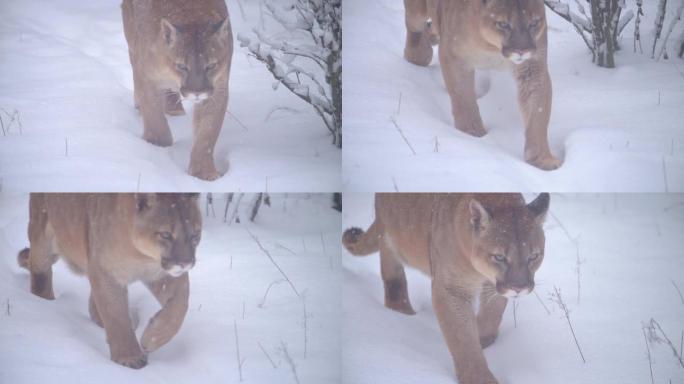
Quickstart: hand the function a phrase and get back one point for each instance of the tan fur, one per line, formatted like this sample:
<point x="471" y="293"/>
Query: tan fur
<point x="486" y="34"/>
<point x="456" y="240"/>
<point x="181" y="48"/>
<point x="116" y="239"/>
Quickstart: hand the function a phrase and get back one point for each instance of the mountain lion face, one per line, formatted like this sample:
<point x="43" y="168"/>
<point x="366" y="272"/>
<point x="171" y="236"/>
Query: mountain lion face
<point x="167" y="228"/>
<point x="509" y="244"/>
<point x="514" y="27"/>
<point x="197" y="55"/>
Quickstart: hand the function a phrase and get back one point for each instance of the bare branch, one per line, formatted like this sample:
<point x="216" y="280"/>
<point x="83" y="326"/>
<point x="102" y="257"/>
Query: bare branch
<point x="263" y="300"/>
<point x="678" y="291"/>
<point x="558" y="299"/>
<point x="237" y="346"/>
<point x="541" y="302"/>
<point x="665" y="339"/>
<point x="396" y="125"/>
<point x="289" y="361"/>
<point x="256" y="240"/>
<point x="267" y="355"/>
<point x="648" y="351"/>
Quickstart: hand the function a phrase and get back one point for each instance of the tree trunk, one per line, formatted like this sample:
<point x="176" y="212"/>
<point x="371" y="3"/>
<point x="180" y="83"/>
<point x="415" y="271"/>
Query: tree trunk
<point x="604" y="14"/>
<point x="334" y="73"/>
<point x="337" y="201"/>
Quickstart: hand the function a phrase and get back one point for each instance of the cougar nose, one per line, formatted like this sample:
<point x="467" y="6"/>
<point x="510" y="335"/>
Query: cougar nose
<point x="521" y="289"/>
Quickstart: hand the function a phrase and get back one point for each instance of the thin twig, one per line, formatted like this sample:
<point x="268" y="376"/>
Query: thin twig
<point x="9" y="313"/>
<point x="242" y="11"/>
<point x="648" y="351"/>
<point x="558" y="299"/>
<point x="229" y="198"/>
<point x="396" y="125"/>
<point x="237" y="346"/>
<point x="399" y="105"/>
<point x="306" y="328"/>
<point x="394" y="182"/>
<point x="66" y="147"/>
<point x="678" y="291"/>
<point x="276" y="109"/>
<point x="667" y="340"/>
<point x="288" y="359"/>
<point x="285" y="248"/>
<point x="667" y="187"/>
<point x="541" y="302"/>
<point x="256" y="240"/>
<point x="323" y="244"/>
<point x="238" y="120"/>
<point x="263" y="300"/>
<point x="578" y="262"/>
<point x="267" y="356"/>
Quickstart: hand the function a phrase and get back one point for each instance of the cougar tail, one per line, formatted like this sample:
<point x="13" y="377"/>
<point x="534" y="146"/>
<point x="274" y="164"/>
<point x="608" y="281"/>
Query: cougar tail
<point x="23" y="258"/>
<point x="360" y="243"/>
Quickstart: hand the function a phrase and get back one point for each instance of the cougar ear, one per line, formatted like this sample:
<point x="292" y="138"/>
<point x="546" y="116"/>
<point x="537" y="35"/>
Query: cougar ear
<point x="143" y="201"/>
<point x="479" y="217"/>
<point x="540" y="206"/>
<point x="222" y="29"/>
<point x="169" y="32"/>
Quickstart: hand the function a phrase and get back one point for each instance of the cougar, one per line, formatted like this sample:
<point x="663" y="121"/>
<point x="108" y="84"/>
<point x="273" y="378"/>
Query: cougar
<point x="477" y="248"/>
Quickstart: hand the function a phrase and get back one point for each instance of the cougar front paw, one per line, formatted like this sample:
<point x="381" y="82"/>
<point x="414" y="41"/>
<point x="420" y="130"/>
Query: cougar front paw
<point x="160" y="140"/>
<point x="546" y="163"/>
<point x="135" y="361"/>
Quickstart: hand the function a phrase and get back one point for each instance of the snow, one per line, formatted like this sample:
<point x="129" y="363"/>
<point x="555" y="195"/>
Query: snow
<point x="65" y="69"/>
<point x="630" y="249"/>
<point x="55" y="341"/>
<point x="616" y="129"/>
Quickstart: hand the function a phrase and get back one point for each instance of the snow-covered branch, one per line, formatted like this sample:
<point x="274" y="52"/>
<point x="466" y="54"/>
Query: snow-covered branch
<point x="599" y="28"/>
<point x="303" y="51"/>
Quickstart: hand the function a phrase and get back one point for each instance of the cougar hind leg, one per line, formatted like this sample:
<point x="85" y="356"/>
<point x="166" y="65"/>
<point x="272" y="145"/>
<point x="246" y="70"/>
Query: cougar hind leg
<point x="39" y="260"/>
<point x="394" y="279"/>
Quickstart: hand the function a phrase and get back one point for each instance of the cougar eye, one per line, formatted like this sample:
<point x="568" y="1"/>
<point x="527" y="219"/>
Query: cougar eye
<point x="166" y="235"/>
<point x="211" y="66"/>
<point x="533" y="257"/>
<point x="502" y="25"/>
<point x="181" y="67"/>
<point x="499" y="258"/>
<point x="195" y="240"/>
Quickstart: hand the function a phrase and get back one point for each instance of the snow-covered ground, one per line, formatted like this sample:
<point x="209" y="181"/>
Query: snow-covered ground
<point x="616" y="129"/>
<point x="65" y="69"/>
<point x="631" y="252"/>
<point x="55" y="341"/>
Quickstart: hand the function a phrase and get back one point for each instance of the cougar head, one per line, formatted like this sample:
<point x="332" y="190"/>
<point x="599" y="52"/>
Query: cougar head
<point x="167" y="227"/>
<point x="508" y="244"/>
<point x="197" y="55"/>
<point x="514" y="27"/>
